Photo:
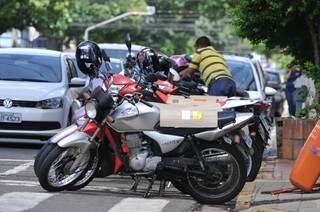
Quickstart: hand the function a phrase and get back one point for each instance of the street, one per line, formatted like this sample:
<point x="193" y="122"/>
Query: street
<point x="20" y="191"/>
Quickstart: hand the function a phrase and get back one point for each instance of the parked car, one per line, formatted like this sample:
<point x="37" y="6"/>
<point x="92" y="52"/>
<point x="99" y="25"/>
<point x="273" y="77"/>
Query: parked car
<point x="119" y="51"/>
<point x="273" y="80"/>
<point x="248" y="77"/>
<point x="35" y="94"/>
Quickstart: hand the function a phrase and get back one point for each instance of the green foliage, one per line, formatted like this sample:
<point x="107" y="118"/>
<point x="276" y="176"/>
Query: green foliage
<point x="293" y="26"/>
<point x="310" y="111"/>
<point x="50" y="17"/>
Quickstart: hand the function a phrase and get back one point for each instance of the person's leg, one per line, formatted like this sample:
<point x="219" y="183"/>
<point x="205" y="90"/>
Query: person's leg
<point x="222" y="87"/>
<point x="291" y="103"/>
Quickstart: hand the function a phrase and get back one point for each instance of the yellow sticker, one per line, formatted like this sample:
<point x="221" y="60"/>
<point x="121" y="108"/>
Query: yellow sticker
<point x="196" y="115"/>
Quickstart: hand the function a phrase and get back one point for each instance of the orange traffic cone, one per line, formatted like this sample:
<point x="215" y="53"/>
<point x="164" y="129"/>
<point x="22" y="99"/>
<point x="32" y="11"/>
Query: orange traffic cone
<point x="306" y="169"/>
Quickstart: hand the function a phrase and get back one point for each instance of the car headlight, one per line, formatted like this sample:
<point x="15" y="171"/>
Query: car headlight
<point x="52" y="103"/>
<point x="91" y="109"/>
<point x="114" y="89"/>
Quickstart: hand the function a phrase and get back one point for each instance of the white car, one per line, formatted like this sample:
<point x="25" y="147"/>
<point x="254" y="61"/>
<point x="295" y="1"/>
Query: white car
<point x="118" y="50"/>
<point x="35" y="94"/>
<point x="248" y="77"/>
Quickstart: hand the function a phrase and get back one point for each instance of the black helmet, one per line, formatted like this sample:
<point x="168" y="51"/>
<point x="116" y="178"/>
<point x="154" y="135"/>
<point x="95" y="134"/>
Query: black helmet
<point x="148" y="60"/>
<point x="89" y="58"/>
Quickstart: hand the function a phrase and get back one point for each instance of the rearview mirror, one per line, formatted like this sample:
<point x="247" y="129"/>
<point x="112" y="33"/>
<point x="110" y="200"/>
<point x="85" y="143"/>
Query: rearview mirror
<point x="77" y="82"/>
<point x="128" y="43"/>
<point x="270" y="91"/>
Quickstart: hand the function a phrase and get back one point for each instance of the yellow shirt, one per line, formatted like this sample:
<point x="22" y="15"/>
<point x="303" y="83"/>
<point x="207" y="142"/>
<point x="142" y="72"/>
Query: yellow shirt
<point x="210" y="64"/>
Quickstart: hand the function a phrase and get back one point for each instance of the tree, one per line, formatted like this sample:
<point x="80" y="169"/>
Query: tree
<point x="291" y="25"/>
<point x="50" y="17"/>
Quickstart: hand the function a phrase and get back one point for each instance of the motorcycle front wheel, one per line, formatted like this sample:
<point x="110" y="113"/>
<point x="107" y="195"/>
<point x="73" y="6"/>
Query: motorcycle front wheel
<point x="63" y="167"/>
<point x="225" y="174"/>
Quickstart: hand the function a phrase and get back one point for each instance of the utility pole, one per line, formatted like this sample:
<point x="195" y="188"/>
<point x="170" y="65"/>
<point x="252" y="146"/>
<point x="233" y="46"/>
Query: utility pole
<point x="151" y="10"/>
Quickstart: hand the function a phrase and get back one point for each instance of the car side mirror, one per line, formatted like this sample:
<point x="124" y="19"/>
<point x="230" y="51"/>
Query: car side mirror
<point x="77" y="82"/>
<point x="270" y="91"/>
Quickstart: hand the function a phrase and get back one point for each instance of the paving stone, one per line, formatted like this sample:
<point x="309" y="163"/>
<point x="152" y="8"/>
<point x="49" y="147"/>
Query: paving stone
<point x="289" y="206"/>
<point x="309" y="204"/>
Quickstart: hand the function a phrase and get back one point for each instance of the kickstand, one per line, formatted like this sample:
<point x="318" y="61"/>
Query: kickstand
<point x="151" y="182"/>
<point x="162" y="187"/>
<point x="135" y="183"/>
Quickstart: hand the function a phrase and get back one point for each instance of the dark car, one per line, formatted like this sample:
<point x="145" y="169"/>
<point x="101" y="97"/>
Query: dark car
<point x="273" y="80"/>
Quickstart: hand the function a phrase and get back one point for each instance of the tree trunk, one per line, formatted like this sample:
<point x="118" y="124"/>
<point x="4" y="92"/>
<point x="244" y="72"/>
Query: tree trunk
<point x="314" y="29"/>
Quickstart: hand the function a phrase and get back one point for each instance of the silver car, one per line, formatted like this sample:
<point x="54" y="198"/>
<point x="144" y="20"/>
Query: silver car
<point x="35" y="92"/>
<point x="248" y="77"/>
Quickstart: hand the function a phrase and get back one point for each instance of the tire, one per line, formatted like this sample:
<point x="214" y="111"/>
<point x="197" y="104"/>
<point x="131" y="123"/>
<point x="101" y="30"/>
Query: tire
<point x="256" y="162"/>
<point x="43" y="152"/>
<point x="55" y="154"/>
<point x="220" y="194"/>
<point x="181" y="185"/>
<point x="88" y="176"/>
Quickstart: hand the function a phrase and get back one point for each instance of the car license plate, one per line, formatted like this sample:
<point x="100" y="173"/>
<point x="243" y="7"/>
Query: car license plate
<point x="10" y="117"/>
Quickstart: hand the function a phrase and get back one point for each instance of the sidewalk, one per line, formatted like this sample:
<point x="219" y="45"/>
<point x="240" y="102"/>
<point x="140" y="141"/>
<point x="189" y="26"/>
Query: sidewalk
<point x="274" y="175"/>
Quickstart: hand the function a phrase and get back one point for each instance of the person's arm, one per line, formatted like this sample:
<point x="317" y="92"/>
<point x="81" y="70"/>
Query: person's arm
<point x="193" y="66"/>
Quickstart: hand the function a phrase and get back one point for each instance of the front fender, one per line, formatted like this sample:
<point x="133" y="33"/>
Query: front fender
<point x="77" y="139"/>
<point x="64" y="133"/>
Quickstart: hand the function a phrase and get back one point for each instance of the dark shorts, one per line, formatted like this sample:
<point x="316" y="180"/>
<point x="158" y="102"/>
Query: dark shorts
<point x="222" y="87"/>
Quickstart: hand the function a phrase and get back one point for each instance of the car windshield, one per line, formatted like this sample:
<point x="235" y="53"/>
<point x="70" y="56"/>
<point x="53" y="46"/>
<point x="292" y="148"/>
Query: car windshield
<point x="34" y="68"/>
<point x="272" y="76"/>
<point x="242" y="74"/>
<point x="119" y="53"/>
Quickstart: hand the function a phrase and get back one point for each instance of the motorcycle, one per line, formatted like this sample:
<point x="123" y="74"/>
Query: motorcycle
<point x="205" y="161"/>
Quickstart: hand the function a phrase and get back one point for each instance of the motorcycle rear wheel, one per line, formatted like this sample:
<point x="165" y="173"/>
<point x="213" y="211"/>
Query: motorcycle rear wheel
<point x="220" y="191"/>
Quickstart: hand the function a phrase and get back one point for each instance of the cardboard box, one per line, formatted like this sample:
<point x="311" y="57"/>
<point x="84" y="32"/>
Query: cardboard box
<point x="194" y="112"/>
<point x="195" y="100"/>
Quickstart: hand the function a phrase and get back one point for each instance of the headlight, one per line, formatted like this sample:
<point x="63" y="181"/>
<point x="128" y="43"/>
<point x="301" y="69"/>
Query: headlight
<point x="91" y="110"/>
<point x="52" y="103"/>
<point x="114" y="89"/>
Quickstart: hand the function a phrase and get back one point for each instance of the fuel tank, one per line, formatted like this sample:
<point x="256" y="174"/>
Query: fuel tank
<point x="134" y="118"/>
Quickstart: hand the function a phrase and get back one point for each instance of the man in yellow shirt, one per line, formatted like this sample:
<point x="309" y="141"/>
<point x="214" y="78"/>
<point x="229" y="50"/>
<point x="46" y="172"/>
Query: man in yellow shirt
<point x="213" y="69"/>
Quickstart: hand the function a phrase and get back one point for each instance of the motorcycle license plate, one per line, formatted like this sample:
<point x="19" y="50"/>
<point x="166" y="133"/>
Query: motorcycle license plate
<point x="10" y="117"/>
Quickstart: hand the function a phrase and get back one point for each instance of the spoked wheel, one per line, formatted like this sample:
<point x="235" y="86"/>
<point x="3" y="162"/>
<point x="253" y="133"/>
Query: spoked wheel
<point x="89" y="175"/>
<point x="225" y="174"/>
<point x="63" y="167"/>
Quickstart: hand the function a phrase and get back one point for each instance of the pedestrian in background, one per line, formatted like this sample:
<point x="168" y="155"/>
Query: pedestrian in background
<point x="213" y="69"/>
<point x="293" y="74"/>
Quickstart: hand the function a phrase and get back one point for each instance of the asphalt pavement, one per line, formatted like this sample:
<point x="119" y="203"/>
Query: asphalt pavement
<point x="20" y="190"/>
